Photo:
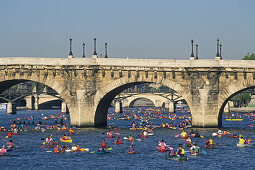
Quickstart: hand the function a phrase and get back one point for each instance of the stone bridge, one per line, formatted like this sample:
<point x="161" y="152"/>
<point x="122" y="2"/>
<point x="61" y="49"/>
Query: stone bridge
<point x="166" y="100"/>
<point x="88" y="85"/>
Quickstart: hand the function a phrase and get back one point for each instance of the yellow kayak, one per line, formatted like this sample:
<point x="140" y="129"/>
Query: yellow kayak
<point x="68" y="141"/>
<point x="234" y="119"/>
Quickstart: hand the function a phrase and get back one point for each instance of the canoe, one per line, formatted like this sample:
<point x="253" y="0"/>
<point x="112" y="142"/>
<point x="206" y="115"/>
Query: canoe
<point x="68" y="141"/>
<point x="243" y="145"/>
<point x="131" y="152"/>
<point x="234" y="119"/>
<point x="162" y="149"/>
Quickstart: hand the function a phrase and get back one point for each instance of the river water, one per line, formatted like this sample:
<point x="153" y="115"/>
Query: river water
<point x="28" y="153"/>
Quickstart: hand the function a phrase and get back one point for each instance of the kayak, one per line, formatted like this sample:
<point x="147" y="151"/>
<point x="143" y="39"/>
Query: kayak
<point x="103" y="152"/>
<point x="209" y="146"/>
<point x="117" y="143"/>
<point x="233" y="136"/>
<point x="68" y="141"/>
<point x="162" y="149"/>
<point x="234" y="119"/>
<point x="195" y="154"/>
<point x="184" y="158"/>
<point x="68" y="150"/>
<point x="3" y="154"/>
<point x="243" y="145"/>
<point x="132" y="152"/>
<point x="8" y="150"/>
<point x="109" y="136"/>
<point x="184" y="137"/>
<point x="143" y="136"/>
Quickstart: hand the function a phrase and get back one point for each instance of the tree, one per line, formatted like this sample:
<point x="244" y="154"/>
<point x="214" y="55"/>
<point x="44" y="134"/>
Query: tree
<point x="241" y="99"/>
<point x="249" y="57"/>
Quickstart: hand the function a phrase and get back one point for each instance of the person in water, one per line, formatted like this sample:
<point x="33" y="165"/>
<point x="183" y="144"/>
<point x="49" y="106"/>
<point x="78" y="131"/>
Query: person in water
<point x="180" y="152"/>
<point x="209" y="142"/>
<point x="10" y="144"/>
<point x="241" y="140"/>
<point x="195" y="148"/>
<point x="109" y="134"/>
<point x="64" y="148"/>
<point x="184" y="134"/>
<point x="101" y="149"/>
<point x="188" y="142"/>
<point x="3" y="150"/>
<point x="118" y="141"/>
<point x="130" y="138"/>
<point x="162" y="144"/>
<point x="171" y="152"/>
<point x="74" y="147"/>
<point x="103" y="144"/>
<point x="131" y="148"/>
<point x="57" y="149"/>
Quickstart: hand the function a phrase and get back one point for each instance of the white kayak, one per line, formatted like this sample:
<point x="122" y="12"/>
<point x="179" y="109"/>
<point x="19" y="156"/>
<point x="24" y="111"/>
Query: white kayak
<point x="243" y="145"/>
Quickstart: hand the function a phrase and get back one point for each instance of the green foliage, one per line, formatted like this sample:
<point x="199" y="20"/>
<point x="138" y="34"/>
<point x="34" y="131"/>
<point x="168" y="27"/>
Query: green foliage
<point x="241" y="98"/>
<point x="249" y="57"/>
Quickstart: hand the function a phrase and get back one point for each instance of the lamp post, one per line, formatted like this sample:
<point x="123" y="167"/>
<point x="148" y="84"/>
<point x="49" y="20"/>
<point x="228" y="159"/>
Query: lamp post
<point x="196" y="51"/>
<point x="83" y="48"/>
<point x="70" y="52"/>
<point x="192" y="53"/>
<point x="95" y="51"/>
<point x="105" y="45"/>
<point x="217" y="54"/>
<point x="220" y="51"/>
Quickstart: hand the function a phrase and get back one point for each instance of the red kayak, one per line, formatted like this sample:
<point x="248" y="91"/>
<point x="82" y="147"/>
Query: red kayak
<point x="143" y="136"/>
<point x="184" y="137"/>
<point x="109" y="136"/>
<point x="161" y="149"/>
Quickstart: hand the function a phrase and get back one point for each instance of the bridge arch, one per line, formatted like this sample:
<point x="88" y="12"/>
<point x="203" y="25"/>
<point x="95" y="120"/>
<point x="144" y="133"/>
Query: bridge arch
<point x="157" y="100"/>
<point x="9" y="81"/>
<point x="230" y="91"/>
<point x="133" y="101"/>
<point x="105" y="95"/>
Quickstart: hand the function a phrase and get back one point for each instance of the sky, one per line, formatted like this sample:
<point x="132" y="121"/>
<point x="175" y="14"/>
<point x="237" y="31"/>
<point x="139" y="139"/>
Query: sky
<point x="158" y="29"/>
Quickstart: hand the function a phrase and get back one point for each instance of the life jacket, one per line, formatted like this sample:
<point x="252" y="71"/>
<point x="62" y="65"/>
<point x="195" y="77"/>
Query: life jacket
<point x="184" y="134"/>
<point x="118" y="140"/>
<point x="182" y="151"/>
<point x="9" y="134"/>
<point x="188" y="141"/>
<point x="172" y="153"/>
<point x="103" y="144"/>
<point x="210" y="142"/>
<point x="162" y="145"/>
<point x="241" y="141"/>
<point x="10" y="144"/>
<point x="56" y="150"/>
<point x="130" y="138"/>
<point x="196" y="149"/>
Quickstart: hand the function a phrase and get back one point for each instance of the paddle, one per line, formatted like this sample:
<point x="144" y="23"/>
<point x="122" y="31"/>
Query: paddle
<point x="204" y="152"/>
<point x="217" y="144"/>
<point x="201" y="136"/>
<point x="177" y="136"/>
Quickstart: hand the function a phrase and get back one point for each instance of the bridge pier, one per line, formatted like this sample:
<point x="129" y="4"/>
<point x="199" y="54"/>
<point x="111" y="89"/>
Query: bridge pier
<point x="11" y="108"/>
<point x="118" y="107"/>
<point x="171" y="107"/>
<point x="63" y="108"/>
<point x="226" y="108"/>
<point x="35" y="103"/>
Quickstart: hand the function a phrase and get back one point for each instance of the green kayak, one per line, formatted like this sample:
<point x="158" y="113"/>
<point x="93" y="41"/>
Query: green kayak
<point x="184" y="158"/>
